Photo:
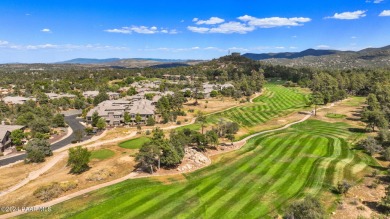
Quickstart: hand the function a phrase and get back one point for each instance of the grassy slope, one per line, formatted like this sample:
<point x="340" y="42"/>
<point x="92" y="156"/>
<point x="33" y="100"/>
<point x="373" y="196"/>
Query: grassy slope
<point x="134" y="143"/>
<point x="266" y="173"/>
<point x="276" y="101"/>
<point x="102" y="154"/>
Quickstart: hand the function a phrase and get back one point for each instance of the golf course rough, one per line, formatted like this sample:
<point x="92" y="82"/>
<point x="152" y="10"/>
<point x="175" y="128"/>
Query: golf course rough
<point x="256" y="181"/>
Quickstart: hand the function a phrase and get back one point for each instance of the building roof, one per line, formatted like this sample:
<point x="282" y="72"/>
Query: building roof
<point x="56" y="96"/>
<point x="8" y="128"/>
<point x="91" y="93"/>
<point x="17" y="99"/>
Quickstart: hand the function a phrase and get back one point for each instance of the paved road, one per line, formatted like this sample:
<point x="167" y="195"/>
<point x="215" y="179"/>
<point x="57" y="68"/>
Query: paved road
<point x="74" y="124"/>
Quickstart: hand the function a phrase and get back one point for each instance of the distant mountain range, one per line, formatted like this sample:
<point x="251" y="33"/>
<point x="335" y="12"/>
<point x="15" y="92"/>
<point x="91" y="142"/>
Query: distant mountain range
<point x="367" y="58"/>
<point x="113" y="60"/>
<point x="290" y="55"/>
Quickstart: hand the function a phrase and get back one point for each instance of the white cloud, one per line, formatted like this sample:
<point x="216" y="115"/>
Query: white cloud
<point x="141" y="30"/>
<point x="279" y="47"/>
<point x="323" y="46"/>
<point x="60" y="47"/>
<point x="212" y="20"/>
<point x="273" y="21"/>
<point x="195" y="19"/>
<point x="122" y="30"/>
<point x="232" y="27"/>
<point x="349" y="15"/>
<point x="181" y="21"/>
<point x="46" y="30"/>
<point x="3" y="43"/>
<point x="378" y="1"/>
<point x="198" y="29"/>
<point x="353" y="37"/>
<point x="385" y="13"/>
<point x="226" y="28"/>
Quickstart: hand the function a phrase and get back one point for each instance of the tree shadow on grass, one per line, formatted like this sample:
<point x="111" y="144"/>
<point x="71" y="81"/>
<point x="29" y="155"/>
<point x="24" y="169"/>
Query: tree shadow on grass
<point x="357" y="130"/>
<point x="353" y="119"/>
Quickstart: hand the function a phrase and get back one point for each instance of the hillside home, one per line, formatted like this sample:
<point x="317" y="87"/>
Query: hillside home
<point x="113" y="111"/>
<point x="57" y="96"/>
<point x="5" y="135"/>
<point x="16" y="100"/>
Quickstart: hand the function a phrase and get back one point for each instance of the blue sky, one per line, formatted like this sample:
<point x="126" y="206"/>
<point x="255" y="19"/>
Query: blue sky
<point x="50" y="31"/>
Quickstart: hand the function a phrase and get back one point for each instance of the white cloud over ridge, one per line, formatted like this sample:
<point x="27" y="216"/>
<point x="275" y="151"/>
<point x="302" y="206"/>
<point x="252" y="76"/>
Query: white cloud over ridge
<point x="141" y="30"/>
<point x="274" y="21"/>
<point x="60" y="47"/>
<point x="385" y="13"/>
<point x="349" y="15"/>
<point x="245" y="24"/>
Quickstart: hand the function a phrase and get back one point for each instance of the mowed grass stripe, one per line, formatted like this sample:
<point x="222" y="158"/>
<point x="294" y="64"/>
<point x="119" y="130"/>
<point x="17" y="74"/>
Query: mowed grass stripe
<point x="262" y="178"/>
<point x="282" y="186"/>
<point x="236" y="175"/>
<point x="266" y="106"/>
<point x="255" y="169"/>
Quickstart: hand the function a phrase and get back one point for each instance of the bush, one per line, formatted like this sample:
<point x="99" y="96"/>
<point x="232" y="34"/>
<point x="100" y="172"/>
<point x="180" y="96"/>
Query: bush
<point x="1" y="154"/>
<point x="185" y="120"/>
<point x="68" y="185"/>
<point x="78" y="159"/>
<point x="387" y="154"/>
<point x="100" y="175"/>
<point x="309" y="208"/>
<point x="48" y="192"/>
<point x="178" y="123"/>
<point x="53" y="190"/>
<point x="370" y="145"/>
<point x="37" y="150"/>
<point x="343" y="187"/>
<point x="147" y="132"/>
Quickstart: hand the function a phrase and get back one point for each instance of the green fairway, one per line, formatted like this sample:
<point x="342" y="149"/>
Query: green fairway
<point x="134" y="143"/>
<point x="253" y="182"/>
<point x="276" y="100"/>
<point x="102" y="154"/>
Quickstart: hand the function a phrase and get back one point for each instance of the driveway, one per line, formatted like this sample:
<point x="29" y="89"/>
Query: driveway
<point x="74" y="124"/>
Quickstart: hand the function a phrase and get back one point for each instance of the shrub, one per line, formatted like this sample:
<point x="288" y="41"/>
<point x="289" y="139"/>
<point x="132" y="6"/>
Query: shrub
<point x="68" y="185"/>
<point x="100" y="175"/>
<point x="1" y="154"/>
<point x="53" y="190"/>
<point x="37" y="150"/>
<point x="78" y="159"/>
<point x="48" y="192"/>
<point x="343" y="187"/>
<point x="185" y="120"/>
<point x="147" y="132"/>
<point x="178" y="123"/>
<point x="387" y="154"/>
<point x="309" y="208"/>
<point x="370" y="145"/>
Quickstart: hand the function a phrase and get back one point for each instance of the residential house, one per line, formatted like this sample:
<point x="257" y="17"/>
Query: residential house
<point x="90" y="94"/>
<point x="57" y="96"/>
<point x="113" y="110"/>
<point x="16" y="100"/>
<point x="5" y="135"/>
